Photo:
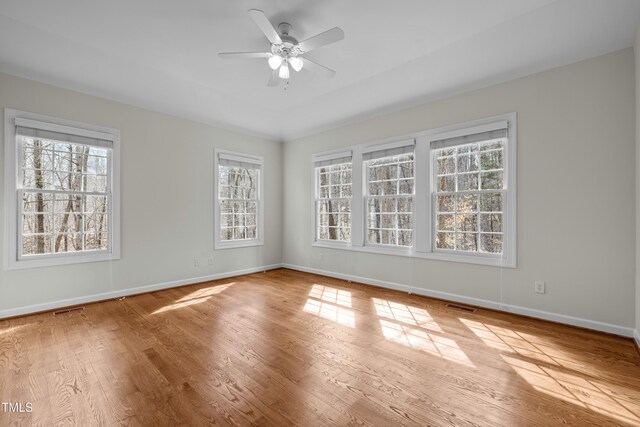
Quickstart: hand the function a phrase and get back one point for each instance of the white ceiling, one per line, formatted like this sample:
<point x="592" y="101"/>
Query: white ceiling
<point x="162" y="54"/>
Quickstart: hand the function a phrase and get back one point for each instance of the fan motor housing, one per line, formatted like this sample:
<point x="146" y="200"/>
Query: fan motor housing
<point x="287" y="40"/>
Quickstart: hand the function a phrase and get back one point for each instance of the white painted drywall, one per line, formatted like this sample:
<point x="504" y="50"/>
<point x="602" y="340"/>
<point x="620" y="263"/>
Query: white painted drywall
<point x="167" y="199"/>
<point x="576" y="196"/>
<point x="637" y="70"/>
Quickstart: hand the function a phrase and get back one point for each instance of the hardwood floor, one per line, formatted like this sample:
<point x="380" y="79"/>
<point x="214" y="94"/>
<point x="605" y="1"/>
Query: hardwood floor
<point x="290" y="348"/>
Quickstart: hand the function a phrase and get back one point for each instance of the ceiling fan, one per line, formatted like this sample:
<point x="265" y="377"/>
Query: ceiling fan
<point x="286" y="52"/>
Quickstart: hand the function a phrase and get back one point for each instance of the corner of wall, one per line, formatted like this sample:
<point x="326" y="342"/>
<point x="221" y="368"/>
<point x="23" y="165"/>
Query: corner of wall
<point x="637" y="154"/>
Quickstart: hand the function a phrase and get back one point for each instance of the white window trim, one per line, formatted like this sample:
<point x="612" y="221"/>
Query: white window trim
<point x="329" y="155"/>
<point x="229" y="244"/>
<point x="422" y="210"/>
<point x="12" y="240"/>
<point x="369" y="148"/>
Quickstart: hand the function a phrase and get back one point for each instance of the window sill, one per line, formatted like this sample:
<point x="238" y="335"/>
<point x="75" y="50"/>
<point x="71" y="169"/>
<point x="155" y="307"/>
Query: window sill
<point x="439" y="256"/>
<point x="66" y="259"/>
<point x="238" y="244"/>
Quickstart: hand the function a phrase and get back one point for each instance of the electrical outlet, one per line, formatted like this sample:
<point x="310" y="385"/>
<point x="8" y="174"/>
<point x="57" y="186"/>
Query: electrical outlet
<point x="210" y="260"/>
<point x="196" y="262"/>
<point x="539" y="287"/>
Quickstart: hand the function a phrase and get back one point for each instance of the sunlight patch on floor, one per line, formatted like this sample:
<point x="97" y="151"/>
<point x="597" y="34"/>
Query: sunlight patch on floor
<point x="332" y="295"/>
<point x="414" y="316"/>
<point x="195" y="297"/>
<point x="10" y="329"/>
<point x="507" y="340"/>
<point x="578" y="390"/>
<point x="332" y="304"/>
<point x="414" y="327"/>
<point x="558" y="373"/>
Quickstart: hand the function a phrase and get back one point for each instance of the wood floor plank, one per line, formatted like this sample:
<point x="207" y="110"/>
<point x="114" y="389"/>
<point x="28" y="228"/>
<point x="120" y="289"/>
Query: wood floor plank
<point x="290" y="348"/>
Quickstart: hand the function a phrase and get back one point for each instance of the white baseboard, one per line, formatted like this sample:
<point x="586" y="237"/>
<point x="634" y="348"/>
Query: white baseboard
<point x="555" y="317"/>
<point x="36" y="308"/>
<point x="636" y="336"/>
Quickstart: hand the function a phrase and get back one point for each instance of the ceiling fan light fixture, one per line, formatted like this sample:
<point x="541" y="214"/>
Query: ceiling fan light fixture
<point x="275" y="61"/>
<point x="284" y="71"/>
<point x="296" y="63"/>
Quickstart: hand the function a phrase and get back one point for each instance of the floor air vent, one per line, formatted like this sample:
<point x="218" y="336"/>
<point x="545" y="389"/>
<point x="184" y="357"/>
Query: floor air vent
<point x="68" y="310"/>
<point x="462" y="308"/>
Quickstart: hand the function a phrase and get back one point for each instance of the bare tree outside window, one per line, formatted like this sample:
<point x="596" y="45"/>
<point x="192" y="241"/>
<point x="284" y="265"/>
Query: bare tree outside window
<point x="390" y="188"/>
<point x="65" y="197"/>
<point x="238" y="200"/>
<point x="333" y="202"/>
<point x="468" y="197"/>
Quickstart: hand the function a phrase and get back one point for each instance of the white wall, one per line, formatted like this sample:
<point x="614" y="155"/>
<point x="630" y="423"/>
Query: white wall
<point x="167" y="199"/>
<point x="637" y="70"/>
<point x="576" y="194"/>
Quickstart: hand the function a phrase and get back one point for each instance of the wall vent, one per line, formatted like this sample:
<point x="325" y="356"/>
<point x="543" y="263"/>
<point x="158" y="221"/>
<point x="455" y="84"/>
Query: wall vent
<point x="462" y="308"/>
<point x="68" y="310"/>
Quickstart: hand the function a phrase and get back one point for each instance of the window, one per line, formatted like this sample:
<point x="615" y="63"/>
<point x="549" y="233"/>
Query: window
<point x="445" y="194"/>
<point x="333" y="177"/>
<point x="389" y="195"/>
<point x="62" y="192"/>
<point x="239" y="206"/>
<point x="469" y="192"/>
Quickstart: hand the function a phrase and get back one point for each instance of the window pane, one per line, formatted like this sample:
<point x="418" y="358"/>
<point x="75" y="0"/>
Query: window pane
<point x="467" y="242"/>
<point x="226" y="233"/>
<point x="491" y="222"/>
<point x="491" y="243"/>
<point x="95" y="223"/>
<point x="491" y="202"/>
<point x="68" y="222"/>
<point x="445" y="203"/>
<point x="467" y="222"/>
<point x="36" y="244"/>
<point x="67" y="181"/>
<point x="37" y="202"/>
<point x="446" y="222"/>
<point x="37" y="223"/>
<point x="491" y="160"/>
<point x="470" y="222"/>
<point x="35" y="179"/>
<point x="71" y="242"/>
<point x="467" y="203"/>
<point x="95" y="183"/>
<point x="96" y="241"/>
<point x="405" y="186"/>
<point x="405" y="238"/>
<point x="334" y="218"/>
<point x="468" y="163"/>
<point x="468" y="182"/>
<point x="445" y="240"/>
<point x="405" y="204"/>
<point x="446" y="165"/>
<point x="37" y="154"/>
<point x="446" y="183"/>
<point x="491" y="180"/>
<point x="237" y="199"/>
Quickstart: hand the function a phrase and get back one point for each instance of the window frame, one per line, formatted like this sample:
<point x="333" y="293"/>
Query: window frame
<point x="398" y="196"/>
<point x="423" y="211"/>
<point x="13" y="221"/>
<point x="315" y="198"/>
<point x="220" y="244"/>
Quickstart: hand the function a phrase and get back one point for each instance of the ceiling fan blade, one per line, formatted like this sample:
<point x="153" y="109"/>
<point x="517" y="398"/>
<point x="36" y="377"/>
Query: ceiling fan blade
<point x="309" y="65"/>
<point x="264" y="24"/>
<point x="330" y="36"/>
<point x="274" y="79"/>
<point x="248" y="55"/>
